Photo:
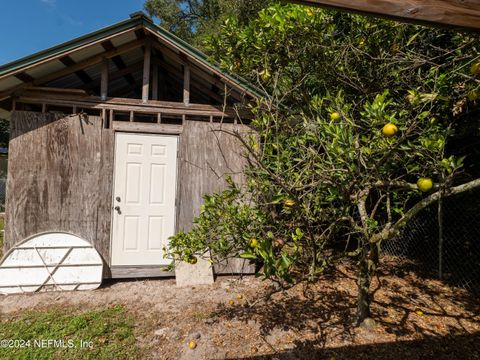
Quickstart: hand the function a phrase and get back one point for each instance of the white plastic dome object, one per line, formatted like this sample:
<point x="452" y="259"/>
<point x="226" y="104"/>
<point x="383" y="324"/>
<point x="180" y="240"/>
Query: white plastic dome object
<point x="51" y="261"/>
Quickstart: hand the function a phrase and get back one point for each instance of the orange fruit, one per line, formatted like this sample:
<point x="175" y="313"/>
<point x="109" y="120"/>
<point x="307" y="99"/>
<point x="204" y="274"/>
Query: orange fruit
<point x="475" y="68"/>
<point x="335" y="116"/>
<point x="425" y="184"/>
<point x="289" y="202"/>
<point x="390" y="130"/>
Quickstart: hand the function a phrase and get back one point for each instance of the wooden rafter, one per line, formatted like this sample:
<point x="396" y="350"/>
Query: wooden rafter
<point x="210" y="78"/>
<point x="96" y="59"/>
<point x="177" y="76"/>
<point x="81" y="74"/>
<point x="24" y="77"/>
<point x="140" y="34"/>
<point x="173" y="48"/>
<point x="465" y="14"/>
<point x="68" y="52"/>
<point x="117" y="75"/>
<point x="120" y="64"/>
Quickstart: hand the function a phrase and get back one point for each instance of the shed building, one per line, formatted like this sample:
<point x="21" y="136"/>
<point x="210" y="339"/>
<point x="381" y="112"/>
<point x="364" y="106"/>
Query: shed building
<point x="115" y="137"/>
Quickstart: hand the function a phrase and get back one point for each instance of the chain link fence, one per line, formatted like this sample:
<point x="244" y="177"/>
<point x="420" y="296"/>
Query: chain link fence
<point x="3" y="183"/>
<point x="458" y="261"/>
<point x="3" y="177"/>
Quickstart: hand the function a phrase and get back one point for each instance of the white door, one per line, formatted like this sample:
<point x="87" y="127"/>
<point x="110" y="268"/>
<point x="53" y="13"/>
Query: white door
<point x="143" y="198"/>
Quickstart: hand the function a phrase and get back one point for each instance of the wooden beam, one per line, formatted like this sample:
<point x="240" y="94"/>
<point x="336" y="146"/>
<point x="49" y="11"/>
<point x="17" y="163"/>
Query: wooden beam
<point x="165" y="52"/>
<point x="140" y="34"/>
<point x="146" y="70"/>
<point x="450" y="13"/>
<point x="117" y="75"/>
<point x="155" y="82"/>
<point x="104" y="81"/>
<point x="120" y="64"/>
<point x="147" y="127"/>
<point x="178" y="76"/>
<point x="53" y="90"/>
<point x="127" y="105"/>
<point x="172" y="46"/>
<point x="186" y="84"/>
<point x="59" y="55"/>
<point x="24" y="77"/>
<point x="131" y="272"/>
<point x="203" y="74"/>
<point x="78" y="66"/>
<point x="81" y="74"/>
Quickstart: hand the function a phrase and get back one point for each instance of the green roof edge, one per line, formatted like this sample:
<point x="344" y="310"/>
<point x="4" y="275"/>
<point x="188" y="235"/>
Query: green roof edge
<point x="77" y="42"/>
<point x="136" y="19"/>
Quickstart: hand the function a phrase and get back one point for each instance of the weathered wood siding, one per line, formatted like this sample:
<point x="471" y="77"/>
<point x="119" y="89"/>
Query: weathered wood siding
<point x="206" y="156"/>
<point x="60" y="175"/>
<point x="59" y="178"/>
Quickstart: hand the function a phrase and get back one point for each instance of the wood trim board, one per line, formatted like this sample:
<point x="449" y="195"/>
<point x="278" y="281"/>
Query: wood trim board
<point x="449" y="13"/>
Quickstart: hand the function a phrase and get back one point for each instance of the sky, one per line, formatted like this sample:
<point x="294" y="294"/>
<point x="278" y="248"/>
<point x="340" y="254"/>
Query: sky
<point x="28" y="26"/>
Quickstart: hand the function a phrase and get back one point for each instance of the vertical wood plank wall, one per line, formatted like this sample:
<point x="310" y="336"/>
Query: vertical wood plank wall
<point x="206" y="156"/>
<point x="59" y="178"/>
<point x="60" y="175"/>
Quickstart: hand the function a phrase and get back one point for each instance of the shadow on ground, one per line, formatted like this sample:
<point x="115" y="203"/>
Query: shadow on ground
<point x="415" y="318"/>
<point x="451" y="347"/>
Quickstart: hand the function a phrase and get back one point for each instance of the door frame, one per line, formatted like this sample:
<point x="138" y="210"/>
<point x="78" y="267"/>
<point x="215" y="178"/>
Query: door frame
<point x="123" y="271"/>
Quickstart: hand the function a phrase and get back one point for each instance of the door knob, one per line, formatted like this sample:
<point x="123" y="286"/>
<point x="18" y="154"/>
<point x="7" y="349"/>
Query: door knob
<point x="117" y="208"/>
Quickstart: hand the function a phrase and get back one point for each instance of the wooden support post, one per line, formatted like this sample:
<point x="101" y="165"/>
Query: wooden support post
<point x="159" y="118"/>
<point x="146" y="70"/>
<point x="104" y="81"/>
<point x="131" y="116"/>
<point x="74" y="109"/>
<point x="155" y="82"/>
<point x="186" y="84"/>
<point x="44" y="108"/>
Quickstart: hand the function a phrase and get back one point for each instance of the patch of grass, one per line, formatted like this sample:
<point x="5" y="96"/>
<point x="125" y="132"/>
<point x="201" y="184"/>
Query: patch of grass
<point x="109" y="331"/>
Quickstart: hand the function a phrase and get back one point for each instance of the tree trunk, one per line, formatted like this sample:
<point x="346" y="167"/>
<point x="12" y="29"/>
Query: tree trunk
<point x="440" y="238"/>
<point x="364" y="280"/>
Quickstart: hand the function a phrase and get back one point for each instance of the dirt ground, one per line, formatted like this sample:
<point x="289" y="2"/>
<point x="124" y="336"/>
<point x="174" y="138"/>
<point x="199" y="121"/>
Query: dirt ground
<point x="415" y="317"/>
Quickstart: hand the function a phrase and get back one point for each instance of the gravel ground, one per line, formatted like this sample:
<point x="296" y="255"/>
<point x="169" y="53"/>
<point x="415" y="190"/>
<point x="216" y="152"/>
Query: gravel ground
<point x="414" y="317"/>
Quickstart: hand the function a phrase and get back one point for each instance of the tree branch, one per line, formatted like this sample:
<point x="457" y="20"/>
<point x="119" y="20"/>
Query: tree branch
<point x="391" y="231"/>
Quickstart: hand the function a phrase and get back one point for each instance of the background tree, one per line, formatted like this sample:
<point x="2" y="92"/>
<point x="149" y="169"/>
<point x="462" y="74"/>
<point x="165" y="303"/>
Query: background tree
<point x="4" y="132"/>
<point x="194" y="20"/>
<point x="353" y="142"/>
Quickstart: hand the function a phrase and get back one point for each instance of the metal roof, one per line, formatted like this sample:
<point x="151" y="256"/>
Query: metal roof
<point x="47" y="61"/>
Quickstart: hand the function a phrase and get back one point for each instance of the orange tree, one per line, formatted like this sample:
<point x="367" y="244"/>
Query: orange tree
<point x="349" y="147"/>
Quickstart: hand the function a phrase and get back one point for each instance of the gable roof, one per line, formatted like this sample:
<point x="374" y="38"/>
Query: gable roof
<point x="13" y="74"/>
